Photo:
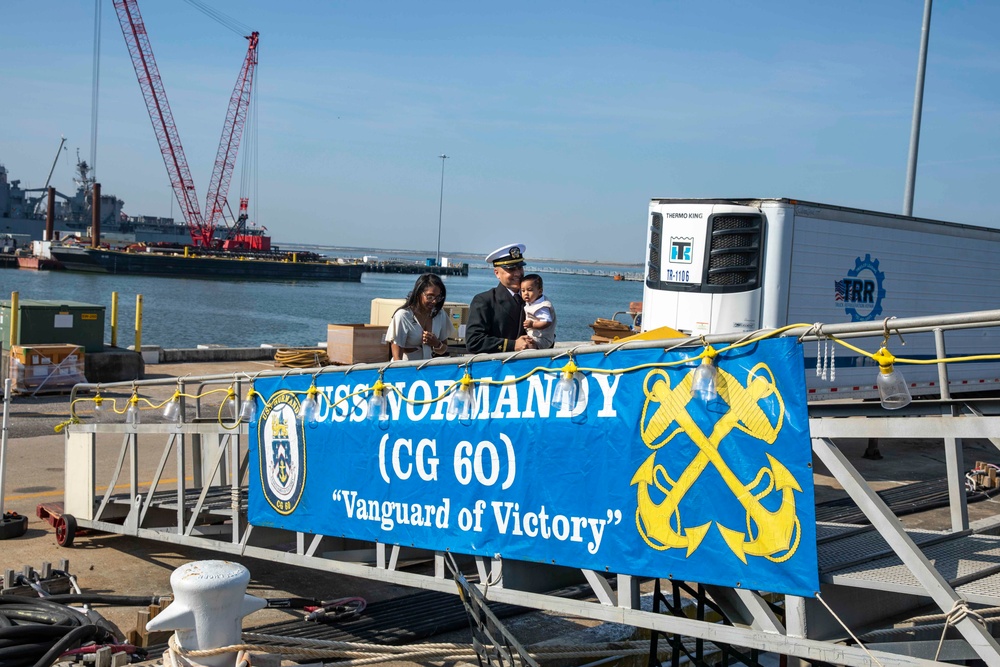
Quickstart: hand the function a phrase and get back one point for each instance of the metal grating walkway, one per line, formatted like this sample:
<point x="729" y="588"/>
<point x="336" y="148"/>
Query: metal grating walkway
<point x="862" y="558"/>
<point x="218" y="500"/>
<point x="392" y="622"/>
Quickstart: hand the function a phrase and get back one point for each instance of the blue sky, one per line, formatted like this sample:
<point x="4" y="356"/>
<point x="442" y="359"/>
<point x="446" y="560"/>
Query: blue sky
<point x="562" y="119"/>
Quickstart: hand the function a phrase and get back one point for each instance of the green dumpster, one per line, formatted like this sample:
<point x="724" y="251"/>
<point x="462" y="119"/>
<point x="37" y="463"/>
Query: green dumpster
<point x="41" y="322"/>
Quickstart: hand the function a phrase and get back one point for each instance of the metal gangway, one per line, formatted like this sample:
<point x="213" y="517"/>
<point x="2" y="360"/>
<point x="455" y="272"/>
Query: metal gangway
<point x="947" y="583"/>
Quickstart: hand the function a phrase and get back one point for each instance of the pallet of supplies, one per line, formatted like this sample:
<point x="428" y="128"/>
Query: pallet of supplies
<point x="39" y="369"/>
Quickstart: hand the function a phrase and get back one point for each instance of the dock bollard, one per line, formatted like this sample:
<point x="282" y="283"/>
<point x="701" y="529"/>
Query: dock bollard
<point x="210" y="601"/>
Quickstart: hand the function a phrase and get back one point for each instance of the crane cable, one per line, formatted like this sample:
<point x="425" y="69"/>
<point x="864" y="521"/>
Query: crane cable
<point x="221" y="18"/>
<point x="250" y="152"/>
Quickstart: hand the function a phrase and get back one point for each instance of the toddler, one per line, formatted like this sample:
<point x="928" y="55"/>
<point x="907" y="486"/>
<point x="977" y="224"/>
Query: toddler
<point x="540" y="316"/>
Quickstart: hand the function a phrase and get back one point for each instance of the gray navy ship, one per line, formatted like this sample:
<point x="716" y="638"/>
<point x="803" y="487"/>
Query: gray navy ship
<point x="22" y="214"/>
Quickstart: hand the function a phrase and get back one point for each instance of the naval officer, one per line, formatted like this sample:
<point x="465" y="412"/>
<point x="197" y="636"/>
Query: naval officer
<point x="496" y="317"/>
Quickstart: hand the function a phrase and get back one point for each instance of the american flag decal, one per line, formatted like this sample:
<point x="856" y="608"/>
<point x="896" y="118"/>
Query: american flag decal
<point x="840" y="290"/>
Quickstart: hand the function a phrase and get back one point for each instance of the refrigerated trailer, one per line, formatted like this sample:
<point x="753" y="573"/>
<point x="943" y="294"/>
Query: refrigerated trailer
<point x="728" y="265"/>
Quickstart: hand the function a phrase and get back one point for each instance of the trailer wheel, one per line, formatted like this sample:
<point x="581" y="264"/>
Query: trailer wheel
<point x="65" y="530"/>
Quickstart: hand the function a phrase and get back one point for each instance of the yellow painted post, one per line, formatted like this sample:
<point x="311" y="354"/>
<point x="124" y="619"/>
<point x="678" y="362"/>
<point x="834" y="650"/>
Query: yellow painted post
<point x="187" y="251"/>
<point x="138" y="323"/>
<point x="114" y="319"/>
<point x="295" y="257"/>
<point x="13" y="318"/>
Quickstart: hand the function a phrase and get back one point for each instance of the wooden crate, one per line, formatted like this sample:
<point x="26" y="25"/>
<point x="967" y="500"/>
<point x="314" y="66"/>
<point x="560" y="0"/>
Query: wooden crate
<point x="356" y="343"/>
<point x="140" y="636"/>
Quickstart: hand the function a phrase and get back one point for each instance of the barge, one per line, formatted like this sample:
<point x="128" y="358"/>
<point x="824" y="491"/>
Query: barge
<point x="198" y="263"/>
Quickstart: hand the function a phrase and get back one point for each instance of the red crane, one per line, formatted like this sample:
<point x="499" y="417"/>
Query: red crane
<point x="137" y="41"/>
<point x="232" y="133"/>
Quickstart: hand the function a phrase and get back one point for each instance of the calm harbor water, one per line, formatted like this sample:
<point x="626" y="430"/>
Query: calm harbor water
<point x="186" y="312"/>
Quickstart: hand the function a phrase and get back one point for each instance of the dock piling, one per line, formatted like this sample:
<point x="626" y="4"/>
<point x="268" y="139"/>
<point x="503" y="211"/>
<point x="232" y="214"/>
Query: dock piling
<point x="138" y="323"/>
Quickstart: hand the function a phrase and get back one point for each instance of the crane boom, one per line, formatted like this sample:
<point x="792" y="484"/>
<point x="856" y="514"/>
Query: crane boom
<point x="232" y="133"/>
<point x="137" y="41"/>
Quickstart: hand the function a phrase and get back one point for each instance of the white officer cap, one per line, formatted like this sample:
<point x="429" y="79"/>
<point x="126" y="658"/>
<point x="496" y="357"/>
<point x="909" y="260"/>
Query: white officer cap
<point x="508" y="255"/>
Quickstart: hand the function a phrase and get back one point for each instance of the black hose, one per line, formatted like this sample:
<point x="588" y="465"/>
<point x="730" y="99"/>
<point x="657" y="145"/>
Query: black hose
<point x="112" y="600"/>
<point x="74" y="638"/>
<point x="35" y="632"/>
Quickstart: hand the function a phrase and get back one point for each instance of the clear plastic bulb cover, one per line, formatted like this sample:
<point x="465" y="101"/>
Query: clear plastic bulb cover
<point x="566" y="392"/>
<point x="132" y="415"/>
<point x="462" y="403"/>
<point x="249" y="409"/>
<point x="100" y="412"/>
<point x="377" y="409"/>
<point x="313" y="416"/>
<point x="307" y="408"/>
<point x="892" y="390"/>
<point x="172" y="411"/>
<point x="703" y="382"/>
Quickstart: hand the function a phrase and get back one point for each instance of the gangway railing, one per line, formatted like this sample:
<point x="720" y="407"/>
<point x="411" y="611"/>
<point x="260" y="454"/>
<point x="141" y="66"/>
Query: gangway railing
<point x="187" y="485"/>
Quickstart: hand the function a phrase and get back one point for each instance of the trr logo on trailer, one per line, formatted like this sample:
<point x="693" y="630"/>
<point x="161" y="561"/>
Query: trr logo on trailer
<point x="680" y="249"/>
<point x="860" y="294"/>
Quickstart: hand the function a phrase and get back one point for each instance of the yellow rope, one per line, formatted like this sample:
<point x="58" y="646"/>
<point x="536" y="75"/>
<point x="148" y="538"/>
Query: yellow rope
<point x="301" y="358"/>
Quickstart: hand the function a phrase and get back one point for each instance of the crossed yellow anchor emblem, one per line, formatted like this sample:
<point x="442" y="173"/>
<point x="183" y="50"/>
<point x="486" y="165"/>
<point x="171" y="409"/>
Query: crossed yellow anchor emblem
<point x="768" y="533"/>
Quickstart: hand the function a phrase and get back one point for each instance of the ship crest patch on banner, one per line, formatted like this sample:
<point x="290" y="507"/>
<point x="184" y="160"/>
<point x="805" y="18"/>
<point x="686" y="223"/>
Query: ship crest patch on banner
<point x="766" y="523"/>
<point x="282" y="452"/>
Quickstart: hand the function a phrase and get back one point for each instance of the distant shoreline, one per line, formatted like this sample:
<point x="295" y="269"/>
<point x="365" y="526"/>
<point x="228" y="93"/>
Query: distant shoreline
<point x="472" y="258"/>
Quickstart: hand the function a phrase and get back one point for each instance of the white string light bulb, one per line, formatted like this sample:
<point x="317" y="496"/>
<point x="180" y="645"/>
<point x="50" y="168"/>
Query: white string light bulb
<point x="567" y="391"/>
<point x="132" y="414"/>
<point x="703" y="383"/>
<point x="377" y="409"/>
<point x="248" y="410"/>
<point x="172" y="409"/>
<point x="463" y="402"/>
<point x="892" y="388"/>
<point x="100" y="412"/>
<point x="308" y="407"/>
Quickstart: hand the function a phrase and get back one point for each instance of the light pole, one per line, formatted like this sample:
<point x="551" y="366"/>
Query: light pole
<point x="437" y="257"/>
<point x="918" y="105"/>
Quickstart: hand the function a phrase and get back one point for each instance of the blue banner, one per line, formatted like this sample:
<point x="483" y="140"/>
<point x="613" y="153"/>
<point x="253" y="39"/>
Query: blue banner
<point x="613" y="467"/>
